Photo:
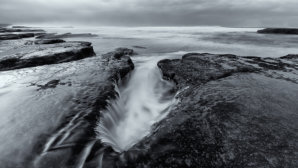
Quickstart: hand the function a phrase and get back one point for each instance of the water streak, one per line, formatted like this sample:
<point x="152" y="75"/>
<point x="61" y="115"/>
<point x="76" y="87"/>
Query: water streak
<point x="144" y="100"/>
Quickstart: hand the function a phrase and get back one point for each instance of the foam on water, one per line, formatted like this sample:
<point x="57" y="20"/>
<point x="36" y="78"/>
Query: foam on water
<point x="143" y="100"/>
<point x="211" y="39"/>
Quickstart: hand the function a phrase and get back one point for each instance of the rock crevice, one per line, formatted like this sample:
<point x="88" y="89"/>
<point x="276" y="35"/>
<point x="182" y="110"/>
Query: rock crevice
<point x="233" y="112"/>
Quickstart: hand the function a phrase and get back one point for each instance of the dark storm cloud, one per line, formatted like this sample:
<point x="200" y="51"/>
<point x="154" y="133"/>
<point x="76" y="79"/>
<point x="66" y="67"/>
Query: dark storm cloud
<point x="152" y="12"/>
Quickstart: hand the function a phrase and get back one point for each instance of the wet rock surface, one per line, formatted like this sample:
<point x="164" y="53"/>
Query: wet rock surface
<point x="51" y="94"/>
<point x="45" y="54"/>
<point x="232" y="112"/>
<point x="279" y="31"/>
<point x="118" y="53"/>
<point x="16" y="52"/>
<point x="52" y="111"/>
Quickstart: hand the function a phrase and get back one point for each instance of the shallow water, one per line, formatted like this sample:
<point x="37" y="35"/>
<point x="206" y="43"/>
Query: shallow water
<point x="239" y="41"/>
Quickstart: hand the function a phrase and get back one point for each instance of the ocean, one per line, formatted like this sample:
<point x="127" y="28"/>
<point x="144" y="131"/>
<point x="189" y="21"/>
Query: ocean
<point x="179" y="40"/>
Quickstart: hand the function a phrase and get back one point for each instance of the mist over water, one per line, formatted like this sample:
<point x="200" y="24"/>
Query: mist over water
<point x="144" y="100"/>
<point x="212" y="39"/>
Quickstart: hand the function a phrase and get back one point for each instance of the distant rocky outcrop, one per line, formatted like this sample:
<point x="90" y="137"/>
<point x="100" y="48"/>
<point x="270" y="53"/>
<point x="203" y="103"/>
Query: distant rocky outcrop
<point x="47" y="54"/>
<point x="18" y="32"/>
<point x="17" y="27"/>
<point x="15" y="36"/>
<point x="13" y="30"/>
<point x="65" y="35"/>
<point x="49" y="41"/>
<point x="279" y="31"/>
<point x="232" y="112"/>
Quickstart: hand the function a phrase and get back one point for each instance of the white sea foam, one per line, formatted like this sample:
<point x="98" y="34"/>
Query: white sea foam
<point x="212" y="39"/>
<point x="144" y="100"/>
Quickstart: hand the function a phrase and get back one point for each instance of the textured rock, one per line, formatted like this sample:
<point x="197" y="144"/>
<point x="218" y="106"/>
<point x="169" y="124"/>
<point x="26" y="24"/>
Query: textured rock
<point x="23" y="29"/>
<point x="290" y="56"/>
<point x="15" y="36"/>
<point x="279" y="31"/>
<point x="65" y="35"/>
<point x="118" y="53"/>
<point x="52" y="111"/>
<point x="45" y="54"/>
<point x="233" y="112"/>
<point x="49" y="41"/>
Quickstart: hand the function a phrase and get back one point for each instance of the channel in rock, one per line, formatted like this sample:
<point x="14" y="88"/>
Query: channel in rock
<point x="143" y="99"/>
<point x="233" y="112"/>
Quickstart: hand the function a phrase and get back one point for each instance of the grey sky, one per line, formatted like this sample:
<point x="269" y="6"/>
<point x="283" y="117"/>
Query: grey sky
<point x="152" y="12"/>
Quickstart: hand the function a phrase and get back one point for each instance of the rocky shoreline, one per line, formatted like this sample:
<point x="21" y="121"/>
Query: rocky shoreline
<point x="51" y="95"/>
<point x="233" y="112"/>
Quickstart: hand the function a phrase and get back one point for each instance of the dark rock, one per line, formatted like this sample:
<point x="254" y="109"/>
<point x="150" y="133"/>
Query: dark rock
<point x="15" y="36"/>
<point x="202" y="68"/>
<point x="9" y="30"/>
<point x="290" y="56"/>
<point x="47" y="54"/>
<point x="65" y="35"/>
<point x="279" y="31"/>
<point x="233" y="112"/>
<point x="12" y="30"/>
<point x="29" y="42"/>
<point x="50" y="84"/>
<point x="17" y="27"/>
<point x="140" y="47"/>
<point x="119" y="52"/>
<point x="49" y="41"/>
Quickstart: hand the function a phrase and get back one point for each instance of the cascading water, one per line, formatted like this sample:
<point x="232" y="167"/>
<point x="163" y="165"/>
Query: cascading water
<point x="145" y="99"/>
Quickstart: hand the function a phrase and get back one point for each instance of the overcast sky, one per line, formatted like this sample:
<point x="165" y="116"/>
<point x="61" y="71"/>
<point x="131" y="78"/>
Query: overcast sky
<point x="258" y="13"/>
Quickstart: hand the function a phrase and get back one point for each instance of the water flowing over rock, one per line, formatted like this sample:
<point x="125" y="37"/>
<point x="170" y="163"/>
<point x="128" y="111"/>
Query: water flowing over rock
<point x="62" y="105"/>
<point x="233" y="112"/>
<point x="143" y="99"/>
<point x="58" y="108"/>
<point x="52" y="93"/>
